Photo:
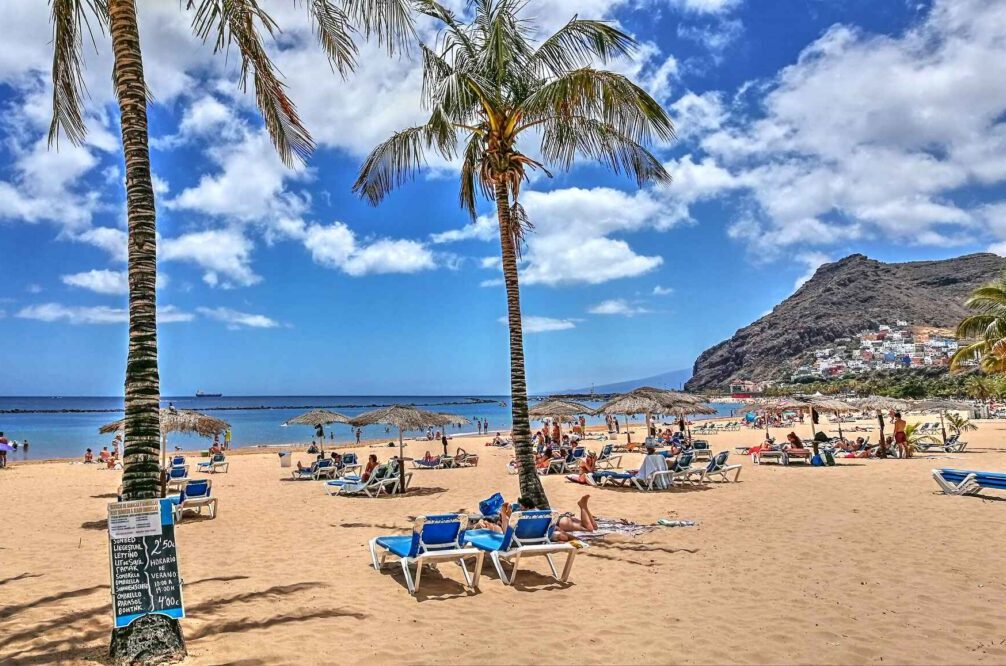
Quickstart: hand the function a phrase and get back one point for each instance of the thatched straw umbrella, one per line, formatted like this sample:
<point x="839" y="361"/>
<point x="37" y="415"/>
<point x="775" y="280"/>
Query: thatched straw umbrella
<point x="319" y="418"/>
<point x="880" y="404"/>
<point x="405" y="417"/>
<point x="942" y="405"/>
<point x="559" y="409"/>
<point x="777" y="406"/>
<point x="833" y="405"/>
<point x="632" y="403"/>
<point x="177" y="420"/>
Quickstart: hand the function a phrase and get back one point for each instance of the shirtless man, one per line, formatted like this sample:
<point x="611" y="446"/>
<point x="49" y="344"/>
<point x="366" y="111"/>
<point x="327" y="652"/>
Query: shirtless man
<point x="900" y="436"/>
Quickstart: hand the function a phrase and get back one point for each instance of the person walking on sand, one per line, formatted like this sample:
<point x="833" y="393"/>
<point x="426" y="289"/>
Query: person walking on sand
<point x="443" y="440"/>
<point x="3" y="451"/>
<point x="359" y="434"/>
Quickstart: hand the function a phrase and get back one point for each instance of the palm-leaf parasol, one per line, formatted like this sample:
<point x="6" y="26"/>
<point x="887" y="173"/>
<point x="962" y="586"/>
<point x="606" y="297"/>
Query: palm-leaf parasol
<point x="177" y="420"/>
<point x="880" y="404"/>
<point x="646" y="401"/>
<point x="405" y="417"/>
<point x="319" y="418"/>
<point x="558" y="408"/>
<point x="832" y="405"/>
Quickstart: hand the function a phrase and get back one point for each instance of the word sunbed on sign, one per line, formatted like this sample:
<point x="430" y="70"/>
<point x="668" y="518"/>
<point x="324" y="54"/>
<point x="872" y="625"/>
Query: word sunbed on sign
<point x="144" y="560"/>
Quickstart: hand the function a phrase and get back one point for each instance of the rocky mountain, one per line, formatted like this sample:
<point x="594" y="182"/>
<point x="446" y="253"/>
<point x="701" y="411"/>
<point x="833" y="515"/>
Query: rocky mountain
<point x="843" y="298"/>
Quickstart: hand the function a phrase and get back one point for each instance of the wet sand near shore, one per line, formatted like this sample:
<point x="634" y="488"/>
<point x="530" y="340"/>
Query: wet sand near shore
<point x="862" y="563"/>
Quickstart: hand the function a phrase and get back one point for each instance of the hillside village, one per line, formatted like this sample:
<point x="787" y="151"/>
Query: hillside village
<point x="890" y="347"/>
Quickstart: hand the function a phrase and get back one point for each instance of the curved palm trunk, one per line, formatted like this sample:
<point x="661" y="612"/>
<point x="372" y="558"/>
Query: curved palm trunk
<point x="530" y="484"/>
<point x="153" y="638"/>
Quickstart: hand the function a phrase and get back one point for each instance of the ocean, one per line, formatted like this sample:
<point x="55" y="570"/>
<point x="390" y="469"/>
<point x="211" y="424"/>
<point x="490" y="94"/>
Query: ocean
<point x="62" y="427"/>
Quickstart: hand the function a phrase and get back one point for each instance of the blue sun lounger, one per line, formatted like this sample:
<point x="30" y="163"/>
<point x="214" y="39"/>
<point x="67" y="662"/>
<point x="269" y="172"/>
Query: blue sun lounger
<point x="218" y="462"/>
<point x="434" y="539"/>
<point x="967" y="482"/>
<point x="528" y="534"/>
<point x="717" y="467"/>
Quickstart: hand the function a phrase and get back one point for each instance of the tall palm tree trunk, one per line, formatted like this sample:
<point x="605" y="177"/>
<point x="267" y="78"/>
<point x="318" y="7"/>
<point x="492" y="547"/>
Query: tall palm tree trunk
<point x="530" y="484"/>
<point x="152" y="638"/>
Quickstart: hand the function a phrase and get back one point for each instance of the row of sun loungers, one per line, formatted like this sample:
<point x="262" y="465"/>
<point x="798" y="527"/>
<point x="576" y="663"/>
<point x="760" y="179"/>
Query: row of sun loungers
<point x="437" y="539"/>
<point x="385" y="479"/>
<point x="680" y="472"/>
<point x="461" y="459"/>
<point x="711" y="428"/>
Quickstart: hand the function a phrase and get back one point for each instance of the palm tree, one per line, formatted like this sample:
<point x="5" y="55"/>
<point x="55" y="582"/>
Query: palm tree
<point x="239" y="22"/>
<point x="487" y="85"/>
<point x="960" y="424"/>
<point x="985" y="329"/>
<point x="980" y="388"/>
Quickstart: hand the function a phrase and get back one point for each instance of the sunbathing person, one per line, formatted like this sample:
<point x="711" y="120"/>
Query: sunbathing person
<point x="371" y="466"/>
<point x="568" y="522"/>
<point x="588" y="466"/>
<point x="88" y="456"/>
<point x="768" y="445"/>
<point x="792" y="442"/>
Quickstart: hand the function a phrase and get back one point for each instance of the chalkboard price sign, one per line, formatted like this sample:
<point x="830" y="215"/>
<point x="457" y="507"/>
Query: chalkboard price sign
<point x="144" y="560"/>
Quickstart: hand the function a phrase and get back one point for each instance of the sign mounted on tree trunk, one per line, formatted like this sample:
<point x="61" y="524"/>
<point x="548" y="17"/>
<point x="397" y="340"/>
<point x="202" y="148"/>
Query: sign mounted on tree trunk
<point x="143" y="560"/>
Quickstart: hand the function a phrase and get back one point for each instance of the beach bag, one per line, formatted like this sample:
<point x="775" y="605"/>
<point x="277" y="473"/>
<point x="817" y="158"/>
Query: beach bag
<point x="816" y="460"/>
<point x="491" y="506"/>
<point x="829" y="458"/>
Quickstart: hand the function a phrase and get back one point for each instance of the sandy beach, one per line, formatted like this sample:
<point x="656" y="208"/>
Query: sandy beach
<point x="861" y="563"/>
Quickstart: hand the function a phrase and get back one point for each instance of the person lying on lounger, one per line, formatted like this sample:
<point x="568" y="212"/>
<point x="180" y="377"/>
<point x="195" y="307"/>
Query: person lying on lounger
<point x="568" y="522"/>
<point x="586" y="473"/>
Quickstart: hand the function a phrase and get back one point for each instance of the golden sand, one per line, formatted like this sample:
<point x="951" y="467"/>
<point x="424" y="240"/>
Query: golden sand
<point x="862" y="563"/>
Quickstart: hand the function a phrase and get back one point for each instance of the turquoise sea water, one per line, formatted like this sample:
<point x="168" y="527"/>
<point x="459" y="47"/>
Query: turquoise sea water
<point x="62" y="427"/>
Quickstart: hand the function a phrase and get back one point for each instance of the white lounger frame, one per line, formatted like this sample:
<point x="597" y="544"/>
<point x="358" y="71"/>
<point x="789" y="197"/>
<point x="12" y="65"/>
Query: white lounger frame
<point x="432" y="558"/>
<point x="533" y="548"/>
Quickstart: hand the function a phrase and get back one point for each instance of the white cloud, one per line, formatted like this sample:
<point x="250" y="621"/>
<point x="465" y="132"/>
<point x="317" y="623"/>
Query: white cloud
<point x="535" y="324"/>
<point x="706" y="6"/>
<point x="104" y="281"/>
<point x="224" y="254"/>
<point x="885" y="155"/>
<point x="53" y="312"/>
<point x="249" y="186"/>
<point x="34" y="288"/>
<point x="484" y="228"/>
<point x="336" y="246"/>
<point x="236" y="319"/>
<point x="662" y="291"/>
<point x="111" y="240"/>
<point x="99" y="281"/>
<point x="617" y="306"/>
<point x="571" y="240"/>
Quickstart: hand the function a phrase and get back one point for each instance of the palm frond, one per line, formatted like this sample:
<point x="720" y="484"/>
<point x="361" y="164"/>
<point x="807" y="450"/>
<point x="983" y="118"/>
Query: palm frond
<point x="334" y="31"/>
<point x="390" y="21"/>
<point x="397" y="160"/>
<point x="606" y="96"/>
<point x="237" y="21"/>
<point x="472" y="183"/>
<point x="563" y="140"/>
<point x="69" y="20"/>
<point x="578" y="43"/>
<point x="520" y="227"/>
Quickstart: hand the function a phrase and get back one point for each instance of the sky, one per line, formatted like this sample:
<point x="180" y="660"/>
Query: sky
<point x="806" y="130"/>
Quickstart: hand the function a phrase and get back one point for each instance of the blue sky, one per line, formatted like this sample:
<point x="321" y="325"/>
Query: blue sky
<point x="808" y="130"/>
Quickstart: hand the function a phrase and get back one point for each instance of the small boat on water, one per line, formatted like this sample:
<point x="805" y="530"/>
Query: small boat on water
<point x="203" y="394"/>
